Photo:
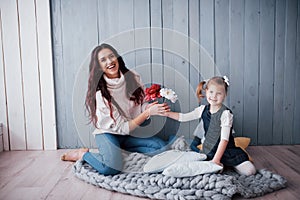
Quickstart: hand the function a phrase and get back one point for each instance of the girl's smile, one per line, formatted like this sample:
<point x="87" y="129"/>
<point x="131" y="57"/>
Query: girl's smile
<point x="215" y="95"/>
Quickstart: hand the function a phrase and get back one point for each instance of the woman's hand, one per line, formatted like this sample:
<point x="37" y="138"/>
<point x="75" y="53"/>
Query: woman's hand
<point x="152" y="109"/>
<point x="158" y="109"/>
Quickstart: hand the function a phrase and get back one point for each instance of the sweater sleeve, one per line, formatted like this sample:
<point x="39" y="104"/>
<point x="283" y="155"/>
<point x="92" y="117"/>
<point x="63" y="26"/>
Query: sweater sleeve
<point x="195" y="114"/>
<point x="118" y="125"/>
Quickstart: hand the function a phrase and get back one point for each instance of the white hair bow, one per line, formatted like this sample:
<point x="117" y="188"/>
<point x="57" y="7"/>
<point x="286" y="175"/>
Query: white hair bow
<point x="226" y="80"/>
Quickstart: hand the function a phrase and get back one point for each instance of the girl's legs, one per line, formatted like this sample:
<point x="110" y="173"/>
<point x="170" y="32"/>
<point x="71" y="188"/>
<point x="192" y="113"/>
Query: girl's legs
<point x="238" y="159"/>
<point x="245" y="168"/>
<point x="109" y="160"/>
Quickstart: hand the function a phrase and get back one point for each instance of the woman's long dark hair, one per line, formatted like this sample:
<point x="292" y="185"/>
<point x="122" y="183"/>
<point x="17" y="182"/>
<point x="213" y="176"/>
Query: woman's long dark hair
<point x="97" y="82"/>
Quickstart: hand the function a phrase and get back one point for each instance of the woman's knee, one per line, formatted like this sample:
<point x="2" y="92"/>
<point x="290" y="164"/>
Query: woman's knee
<point x="108" y="160"/>
<point x="107" y="166"/>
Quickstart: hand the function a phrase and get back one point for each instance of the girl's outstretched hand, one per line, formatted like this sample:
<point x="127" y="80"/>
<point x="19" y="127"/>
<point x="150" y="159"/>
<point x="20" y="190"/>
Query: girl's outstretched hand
<point x="170" y="114"/>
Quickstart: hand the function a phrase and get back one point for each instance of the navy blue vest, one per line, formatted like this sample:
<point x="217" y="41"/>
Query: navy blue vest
<point x="212" y="127"/>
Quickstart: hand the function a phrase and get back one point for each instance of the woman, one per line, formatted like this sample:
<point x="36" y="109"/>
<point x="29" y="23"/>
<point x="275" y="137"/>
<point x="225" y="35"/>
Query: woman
<point x="115" y="101"/>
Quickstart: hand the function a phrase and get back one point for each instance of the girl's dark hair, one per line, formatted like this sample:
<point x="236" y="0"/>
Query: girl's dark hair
<point x="202" y="86"/>
<point x="96" y="82"/>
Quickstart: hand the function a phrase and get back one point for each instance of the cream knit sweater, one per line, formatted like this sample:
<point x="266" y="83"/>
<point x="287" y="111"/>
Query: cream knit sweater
<point x="117" y="88"/>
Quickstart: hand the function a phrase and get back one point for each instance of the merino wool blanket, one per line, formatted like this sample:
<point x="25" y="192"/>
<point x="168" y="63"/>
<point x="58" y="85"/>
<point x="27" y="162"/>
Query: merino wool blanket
<point x="134" y="181"/>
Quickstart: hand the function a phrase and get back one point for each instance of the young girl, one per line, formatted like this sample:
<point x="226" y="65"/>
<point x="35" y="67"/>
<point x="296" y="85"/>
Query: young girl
<point x="215" y="128"/>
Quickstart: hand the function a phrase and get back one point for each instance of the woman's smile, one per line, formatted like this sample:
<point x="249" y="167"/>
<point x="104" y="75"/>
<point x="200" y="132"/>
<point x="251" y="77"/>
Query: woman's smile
<point x="109" y="63"/>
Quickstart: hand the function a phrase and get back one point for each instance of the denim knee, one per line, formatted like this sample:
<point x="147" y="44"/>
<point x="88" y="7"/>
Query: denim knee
<point x="111" y="168"/>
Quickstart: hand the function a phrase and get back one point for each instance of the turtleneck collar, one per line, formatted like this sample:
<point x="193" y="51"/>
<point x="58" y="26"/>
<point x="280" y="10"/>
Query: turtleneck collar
<point x="114" y="83"/>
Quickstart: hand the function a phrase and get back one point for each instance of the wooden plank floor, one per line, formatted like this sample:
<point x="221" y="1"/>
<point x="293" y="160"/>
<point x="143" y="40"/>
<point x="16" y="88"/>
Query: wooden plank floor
<point x="41" y="175"/>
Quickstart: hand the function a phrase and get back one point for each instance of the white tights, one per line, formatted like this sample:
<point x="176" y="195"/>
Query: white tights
<point x="245" y="168"/>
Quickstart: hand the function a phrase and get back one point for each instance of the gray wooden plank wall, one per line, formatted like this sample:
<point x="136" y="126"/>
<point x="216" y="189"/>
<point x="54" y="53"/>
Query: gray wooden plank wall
<point x="178" y="43"/>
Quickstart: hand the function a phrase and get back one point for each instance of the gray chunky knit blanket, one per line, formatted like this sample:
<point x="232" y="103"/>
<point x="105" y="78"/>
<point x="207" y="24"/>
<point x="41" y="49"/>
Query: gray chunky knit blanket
<point x="157" y="186"/>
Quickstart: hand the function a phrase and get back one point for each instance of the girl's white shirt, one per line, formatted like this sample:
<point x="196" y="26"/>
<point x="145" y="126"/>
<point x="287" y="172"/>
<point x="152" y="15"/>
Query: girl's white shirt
<point x="120" y="126"/>
<point x="226" y="122"/>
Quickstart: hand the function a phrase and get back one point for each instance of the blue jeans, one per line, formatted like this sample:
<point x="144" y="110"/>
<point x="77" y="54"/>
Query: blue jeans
<point x="109" y="160"/>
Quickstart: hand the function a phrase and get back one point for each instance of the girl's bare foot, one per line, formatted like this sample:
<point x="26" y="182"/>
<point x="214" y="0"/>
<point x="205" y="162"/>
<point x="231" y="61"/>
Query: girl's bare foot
<point x="74" y="155"/>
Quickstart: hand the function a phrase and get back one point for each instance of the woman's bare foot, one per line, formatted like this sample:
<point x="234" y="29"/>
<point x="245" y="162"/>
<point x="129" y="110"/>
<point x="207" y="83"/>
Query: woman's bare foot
<point x="74" y="155"/>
